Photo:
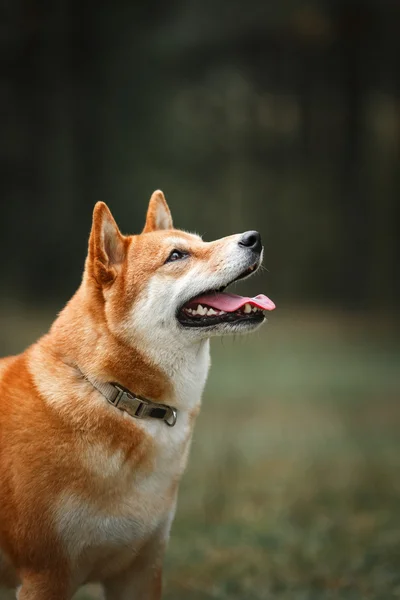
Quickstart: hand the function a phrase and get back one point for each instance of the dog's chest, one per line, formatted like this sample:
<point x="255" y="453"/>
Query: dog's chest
<point x="103" y="529"/>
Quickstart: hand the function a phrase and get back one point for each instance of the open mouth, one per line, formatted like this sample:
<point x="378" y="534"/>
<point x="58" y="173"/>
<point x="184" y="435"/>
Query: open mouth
<point x="215" y="306"/>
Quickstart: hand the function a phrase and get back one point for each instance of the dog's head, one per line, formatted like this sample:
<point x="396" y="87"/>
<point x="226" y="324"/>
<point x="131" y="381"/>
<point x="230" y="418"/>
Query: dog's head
<point x="166" y="285"/>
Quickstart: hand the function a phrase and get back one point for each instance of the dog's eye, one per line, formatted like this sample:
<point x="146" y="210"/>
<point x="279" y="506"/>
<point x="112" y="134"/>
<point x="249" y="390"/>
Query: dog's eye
<point x="176" y="255"/>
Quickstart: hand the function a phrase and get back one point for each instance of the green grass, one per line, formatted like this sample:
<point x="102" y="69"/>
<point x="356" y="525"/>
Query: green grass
<point x="293" y="486"/>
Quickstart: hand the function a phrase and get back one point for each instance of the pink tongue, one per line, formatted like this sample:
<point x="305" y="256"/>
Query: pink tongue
<point x="232" y="302"/>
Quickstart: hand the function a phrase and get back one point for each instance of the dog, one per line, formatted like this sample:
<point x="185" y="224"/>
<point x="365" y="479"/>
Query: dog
<point x="96" y="418"/>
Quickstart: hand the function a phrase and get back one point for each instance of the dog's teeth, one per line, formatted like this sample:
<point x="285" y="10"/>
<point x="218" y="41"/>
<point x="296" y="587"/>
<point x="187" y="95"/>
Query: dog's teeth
<point x="247" y="308"/>
<point x="201" y="310"/>
<point x="211" y="311"/>
<point x="255" y="309"/>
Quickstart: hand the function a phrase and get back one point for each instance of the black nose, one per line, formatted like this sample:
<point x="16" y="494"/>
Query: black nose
<point x="252" y="240"/>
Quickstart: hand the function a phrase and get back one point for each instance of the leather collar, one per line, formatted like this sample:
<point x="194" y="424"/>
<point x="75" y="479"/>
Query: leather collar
<point x="135" y="406"/>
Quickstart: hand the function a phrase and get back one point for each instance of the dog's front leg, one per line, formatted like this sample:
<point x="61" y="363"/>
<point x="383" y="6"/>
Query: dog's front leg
<point x="143" y="579"/>
<point x="43" y="585"/>
<point x="139" y="583"/>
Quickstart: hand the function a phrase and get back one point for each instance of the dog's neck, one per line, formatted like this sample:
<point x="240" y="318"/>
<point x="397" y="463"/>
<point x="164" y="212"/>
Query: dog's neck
<point x="167" y="373"/>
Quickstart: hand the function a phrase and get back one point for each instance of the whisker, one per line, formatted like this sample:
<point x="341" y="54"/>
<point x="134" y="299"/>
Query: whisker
<point x="263" y="268"/>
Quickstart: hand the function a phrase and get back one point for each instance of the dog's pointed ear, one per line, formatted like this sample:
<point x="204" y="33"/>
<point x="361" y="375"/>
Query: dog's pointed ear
<point x="107" y="246"/>
<point x="158" y="213"/>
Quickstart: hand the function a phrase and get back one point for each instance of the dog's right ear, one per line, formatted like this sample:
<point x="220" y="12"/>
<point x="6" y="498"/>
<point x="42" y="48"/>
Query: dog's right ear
<point x="158" y="213"/>
<point x="107" y="246"/>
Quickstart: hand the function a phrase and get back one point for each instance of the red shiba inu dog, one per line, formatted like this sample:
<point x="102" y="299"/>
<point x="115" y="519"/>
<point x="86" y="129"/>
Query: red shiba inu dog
<point x="96" y="418"/>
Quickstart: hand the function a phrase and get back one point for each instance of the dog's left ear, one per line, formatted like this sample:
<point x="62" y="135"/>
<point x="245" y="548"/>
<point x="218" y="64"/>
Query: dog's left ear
<point x="158" y="213"/>
<point x="107" y="246"/>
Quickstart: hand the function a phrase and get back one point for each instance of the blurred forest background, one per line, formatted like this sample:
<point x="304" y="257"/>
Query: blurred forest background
<point x="277" y="116"/>
<point x="280" y="115"/>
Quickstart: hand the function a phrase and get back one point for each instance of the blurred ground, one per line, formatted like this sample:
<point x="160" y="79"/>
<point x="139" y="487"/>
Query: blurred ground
<point x="293" y="486"/>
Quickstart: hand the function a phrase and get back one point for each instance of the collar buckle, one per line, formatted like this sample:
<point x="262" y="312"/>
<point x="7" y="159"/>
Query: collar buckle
<point x="141" y="408"/>
<point x="126" y="401"/>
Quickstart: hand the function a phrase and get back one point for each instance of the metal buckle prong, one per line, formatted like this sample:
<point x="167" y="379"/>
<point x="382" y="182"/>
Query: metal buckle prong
<point x="118" y="397"/>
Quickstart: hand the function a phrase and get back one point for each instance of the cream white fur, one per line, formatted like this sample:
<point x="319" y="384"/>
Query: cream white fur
<point x="101" y="463"/>
<point x="101" y="544"/>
